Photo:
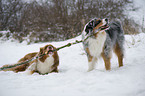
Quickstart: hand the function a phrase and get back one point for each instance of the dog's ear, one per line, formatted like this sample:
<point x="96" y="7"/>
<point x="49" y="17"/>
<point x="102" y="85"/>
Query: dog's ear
<point x="45" y="47"/>
<point x="89" y="27"/>
<point x="41" y="50"/>
<point x="93" y="22"/>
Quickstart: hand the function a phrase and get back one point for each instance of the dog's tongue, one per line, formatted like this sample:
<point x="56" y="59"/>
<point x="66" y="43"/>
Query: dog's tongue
<point x="50" y="52"/>
<point x="105" y="27"/>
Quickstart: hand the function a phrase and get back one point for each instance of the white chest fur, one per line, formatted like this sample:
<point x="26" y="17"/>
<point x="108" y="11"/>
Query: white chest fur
<point x="45" y="67"/>
<point x="96" y="44"/>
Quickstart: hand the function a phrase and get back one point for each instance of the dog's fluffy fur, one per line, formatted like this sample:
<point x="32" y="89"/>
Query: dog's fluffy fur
<point x="43" y="65"/>
<point x="102" y="41"/>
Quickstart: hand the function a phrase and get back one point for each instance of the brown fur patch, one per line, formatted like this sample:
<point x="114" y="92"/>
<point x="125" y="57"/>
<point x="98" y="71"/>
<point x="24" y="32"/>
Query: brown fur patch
<point x="106" y="61"/>
<point x="87" y="50"/>
<point x="56" y="61"/>
<point x="89" y="56"/>
<point x="42" y="51"/>
<point x="104" y="32"/>
<point x="99" y="25"/>
<point x="96" y="34"/>
<point x="28" y="56"/>
<point x="119" y="54"/>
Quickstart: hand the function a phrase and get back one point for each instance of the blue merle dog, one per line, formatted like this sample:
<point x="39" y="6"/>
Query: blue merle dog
<point x="104" y="37"/>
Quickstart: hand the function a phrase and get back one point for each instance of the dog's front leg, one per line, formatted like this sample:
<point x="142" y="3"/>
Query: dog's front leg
<point x="91" y="63"/>
<point x="31" y="69"/>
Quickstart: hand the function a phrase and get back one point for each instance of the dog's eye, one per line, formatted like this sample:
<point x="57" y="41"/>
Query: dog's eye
<point x="98" y="21"/>
<point x="93" y="23"/>
<point x="90" y="24"/>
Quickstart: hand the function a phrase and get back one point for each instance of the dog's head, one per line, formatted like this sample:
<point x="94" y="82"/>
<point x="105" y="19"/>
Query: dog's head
<point x="48" y="50"/>
<point x="96" y="24"/>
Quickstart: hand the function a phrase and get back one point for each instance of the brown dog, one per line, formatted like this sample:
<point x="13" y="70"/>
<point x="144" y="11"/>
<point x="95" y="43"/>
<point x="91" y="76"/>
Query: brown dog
<point x="43" y="65"/>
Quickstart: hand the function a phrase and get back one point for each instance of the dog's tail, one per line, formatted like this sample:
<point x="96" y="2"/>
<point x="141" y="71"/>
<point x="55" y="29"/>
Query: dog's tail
<point x="120" y="35"/>
<point x="116" y="25"/>
<point x="116" y="30"/>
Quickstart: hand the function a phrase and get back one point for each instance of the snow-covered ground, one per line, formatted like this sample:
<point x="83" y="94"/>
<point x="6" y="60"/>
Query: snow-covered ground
<point x="73" y="78"/>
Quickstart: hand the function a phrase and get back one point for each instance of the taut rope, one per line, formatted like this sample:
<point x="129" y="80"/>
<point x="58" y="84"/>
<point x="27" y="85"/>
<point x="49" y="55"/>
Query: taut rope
<point x="57" y="49"/>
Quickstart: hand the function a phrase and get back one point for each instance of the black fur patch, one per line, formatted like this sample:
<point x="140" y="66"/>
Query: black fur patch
<point x="91" y="25"/>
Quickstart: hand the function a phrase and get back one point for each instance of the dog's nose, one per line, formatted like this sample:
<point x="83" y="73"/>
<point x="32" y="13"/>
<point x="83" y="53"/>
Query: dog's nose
<point x="50" y="48"/>
<point x="106" y="20"/>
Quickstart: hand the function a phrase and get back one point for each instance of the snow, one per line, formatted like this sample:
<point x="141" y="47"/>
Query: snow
<point x="73" y="78"/>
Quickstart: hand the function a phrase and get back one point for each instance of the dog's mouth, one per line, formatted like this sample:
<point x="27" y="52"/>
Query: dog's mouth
<point x="50" y="52"/>
<point x="106" y="26"/>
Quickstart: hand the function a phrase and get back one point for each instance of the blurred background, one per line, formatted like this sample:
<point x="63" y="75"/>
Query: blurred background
<point x="57" y="20"/>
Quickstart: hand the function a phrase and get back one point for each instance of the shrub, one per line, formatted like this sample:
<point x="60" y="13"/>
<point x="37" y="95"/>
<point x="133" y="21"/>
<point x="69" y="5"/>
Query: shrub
<point x="54" y="20"/>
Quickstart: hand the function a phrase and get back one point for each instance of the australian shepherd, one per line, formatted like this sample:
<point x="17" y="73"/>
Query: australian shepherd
<point x="104" y="37"/>
<point x="43" y="65"/>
